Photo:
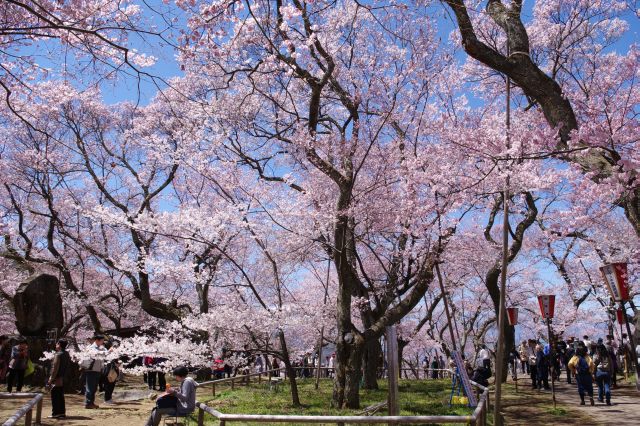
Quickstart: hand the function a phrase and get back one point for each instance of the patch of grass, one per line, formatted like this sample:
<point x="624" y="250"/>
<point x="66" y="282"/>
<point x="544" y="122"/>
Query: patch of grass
<point x="558" y="411"/>
<point x="417" y="397"/>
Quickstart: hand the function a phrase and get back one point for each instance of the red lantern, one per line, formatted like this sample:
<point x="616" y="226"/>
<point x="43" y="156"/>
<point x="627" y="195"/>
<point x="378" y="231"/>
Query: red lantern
<point x="622" y="316"/>
<point x="547" y="304"/>
<point x="512" y="314"/>
<point x="617" y="281"/>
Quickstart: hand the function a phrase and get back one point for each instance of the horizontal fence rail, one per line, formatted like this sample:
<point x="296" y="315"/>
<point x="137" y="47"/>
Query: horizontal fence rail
<point x="26" y="411"/>
<point x="478" y="417"/>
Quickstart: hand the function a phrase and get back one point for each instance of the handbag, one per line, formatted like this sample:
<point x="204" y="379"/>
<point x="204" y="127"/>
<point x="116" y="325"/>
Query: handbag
<point x="30" y="369"/>
<point x="112" y="375"/>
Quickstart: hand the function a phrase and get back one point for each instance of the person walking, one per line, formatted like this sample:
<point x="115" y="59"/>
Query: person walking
<point x="93" y="365"/>
<point x="18" y="365"/>
<point x="59" y="368"/>
<point x="542" y="363"/>
<point x="612" y="348"/>
<point x="570" y="352"/>
<point x="604" y="370"/>
<point x="523" y="351"/>
<point x="513" y="361"/>
<point x="533" y="365"/>
<point x="582" y="366"/>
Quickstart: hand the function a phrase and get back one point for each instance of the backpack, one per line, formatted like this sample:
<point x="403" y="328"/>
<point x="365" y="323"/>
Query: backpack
<point x="583" y="366"/>
<point x="604" y="363"/>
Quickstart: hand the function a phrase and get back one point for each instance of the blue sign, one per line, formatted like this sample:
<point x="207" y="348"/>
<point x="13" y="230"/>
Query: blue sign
<point x="464" y="379"/>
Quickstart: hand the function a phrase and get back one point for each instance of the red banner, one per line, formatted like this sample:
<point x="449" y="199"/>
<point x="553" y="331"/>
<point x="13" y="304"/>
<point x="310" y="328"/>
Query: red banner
<point x="622" y="316"/>
<point x="547" y="304"/>
<point x="617" y="280"/>
<point x="512" y="314"/>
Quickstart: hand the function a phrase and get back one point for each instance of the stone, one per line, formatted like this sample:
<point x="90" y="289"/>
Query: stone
<point x="38" y="306"/>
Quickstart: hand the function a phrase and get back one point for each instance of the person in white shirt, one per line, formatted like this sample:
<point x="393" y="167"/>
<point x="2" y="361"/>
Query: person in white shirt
<point x="96" y="352"/>
<point x="485" y="356"/>
<point x="331" y="365"/>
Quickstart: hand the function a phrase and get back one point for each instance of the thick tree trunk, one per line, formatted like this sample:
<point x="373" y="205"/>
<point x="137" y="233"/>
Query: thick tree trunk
<point x="346" y="386"/>
<point x="371" y="364"/>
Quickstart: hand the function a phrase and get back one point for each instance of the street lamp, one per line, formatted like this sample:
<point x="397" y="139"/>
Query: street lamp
<point x="512" y="316"/>
<point x="617" y="280"/>
<point x="547" y="304"/>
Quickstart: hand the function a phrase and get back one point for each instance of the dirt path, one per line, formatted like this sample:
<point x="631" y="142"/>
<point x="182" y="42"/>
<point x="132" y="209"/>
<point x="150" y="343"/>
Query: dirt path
<point x="625" y="408"/>
<point x="124" y="413"/>
<point x="533" y="407"/>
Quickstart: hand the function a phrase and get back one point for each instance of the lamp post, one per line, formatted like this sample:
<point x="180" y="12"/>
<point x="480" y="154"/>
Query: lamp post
<point x="547" y="304"/>
<point x="512" y="316"/>
<point x="617" y="280"/>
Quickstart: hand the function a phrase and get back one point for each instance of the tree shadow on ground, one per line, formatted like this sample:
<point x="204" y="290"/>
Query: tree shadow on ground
<point x="528" y="407"/>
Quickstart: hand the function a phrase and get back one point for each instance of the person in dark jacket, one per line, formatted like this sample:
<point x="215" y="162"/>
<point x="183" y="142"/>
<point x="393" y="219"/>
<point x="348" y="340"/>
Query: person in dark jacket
<point x="569" y="353"/>
<point x="604" y="371"/>
<point x="481" y="375"/>
<point x="110" y="374"/>
<point x="59" y="367"/>
<point x="542" y="362"/>
<point x="434" y="368"/>
<point x="18" y="365"/>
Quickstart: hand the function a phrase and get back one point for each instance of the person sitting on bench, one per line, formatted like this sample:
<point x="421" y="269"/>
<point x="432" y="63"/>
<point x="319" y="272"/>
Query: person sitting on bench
<point x="175" y="402"/>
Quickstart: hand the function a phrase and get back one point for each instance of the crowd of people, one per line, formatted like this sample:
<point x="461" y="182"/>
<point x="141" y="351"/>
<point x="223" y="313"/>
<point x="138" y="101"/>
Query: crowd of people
<point x="582" y="360"/>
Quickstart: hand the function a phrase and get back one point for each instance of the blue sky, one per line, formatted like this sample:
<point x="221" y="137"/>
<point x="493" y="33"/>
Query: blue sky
<point x="142" y="90"/>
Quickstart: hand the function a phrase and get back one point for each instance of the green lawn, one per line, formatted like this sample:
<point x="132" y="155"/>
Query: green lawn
<point x="417" y="397"/>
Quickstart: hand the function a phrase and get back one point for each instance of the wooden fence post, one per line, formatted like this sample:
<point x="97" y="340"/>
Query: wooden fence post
<point x="392" y="367"/>
<point x="27" y="417"/>
<point x="200" y="417"/>
<point x="213" y="389"/>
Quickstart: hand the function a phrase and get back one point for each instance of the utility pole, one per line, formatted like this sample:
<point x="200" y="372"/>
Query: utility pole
<point x="497" y="418"/>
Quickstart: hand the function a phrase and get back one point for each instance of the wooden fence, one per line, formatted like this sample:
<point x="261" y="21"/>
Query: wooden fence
<point x="477" y="418"/>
